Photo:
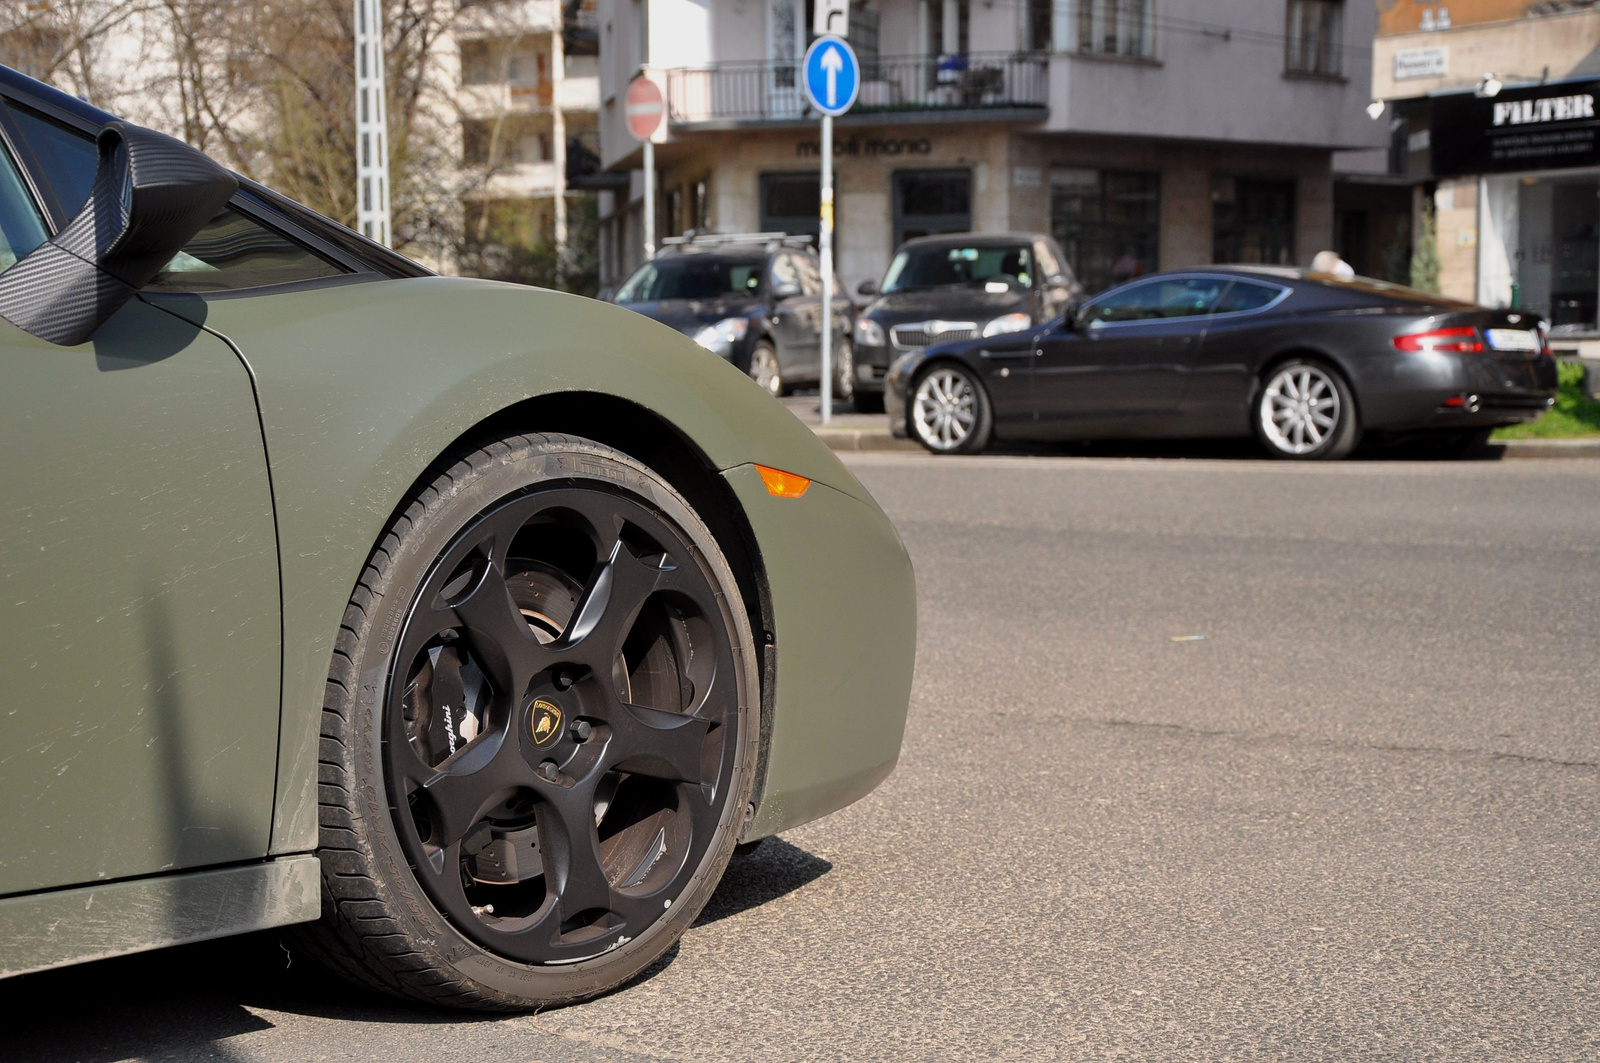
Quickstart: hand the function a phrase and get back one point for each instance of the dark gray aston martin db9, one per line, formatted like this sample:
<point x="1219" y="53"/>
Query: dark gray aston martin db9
<point x="1307" y="362"/>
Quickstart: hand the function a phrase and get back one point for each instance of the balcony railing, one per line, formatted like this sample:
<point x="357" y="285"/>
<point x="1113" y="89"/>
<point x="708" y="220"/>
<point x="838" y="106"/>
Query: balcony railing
<point x="770" y="91"/>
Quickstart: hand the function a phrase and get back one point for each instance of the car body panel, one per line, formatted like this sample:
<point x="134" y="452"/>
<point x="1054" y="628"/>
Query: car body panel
<point x="140" y="612"/>
<point x="363" y="386"/>
<point x="61" y="927"/>
<point x="845" y="612"/>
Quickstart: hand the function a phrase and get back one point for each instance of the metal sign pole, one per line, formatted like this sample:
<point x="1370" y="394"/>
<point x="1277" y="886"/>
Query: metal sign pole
<point x="649" y="200"/>
<point x="825" y="246"/>
<point x="372" y="126"/>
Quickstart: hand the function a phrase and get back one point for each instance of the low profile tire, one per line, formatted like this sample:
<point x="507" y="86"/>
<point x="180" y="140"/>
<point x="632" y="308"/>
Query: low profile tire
<point x="869" y="402"/>
<point x="765" y="369"/>
<point x="949" y="411"/>
<point x="538" y="739"/>
<point x="844" y="372"/>
<point x="1304" y="412"/>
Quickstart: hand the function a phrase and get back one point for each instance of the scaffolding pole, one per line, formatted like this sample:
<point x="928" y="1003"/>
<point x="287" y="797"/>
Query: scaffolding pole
<point x="372" y="126"/>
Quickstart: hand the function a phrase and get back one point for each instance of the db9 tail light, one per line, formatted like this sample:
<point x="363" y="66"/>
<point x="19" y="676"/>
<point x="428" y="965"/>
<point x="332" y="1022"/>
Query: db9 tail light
<point x="1462" y="340"/>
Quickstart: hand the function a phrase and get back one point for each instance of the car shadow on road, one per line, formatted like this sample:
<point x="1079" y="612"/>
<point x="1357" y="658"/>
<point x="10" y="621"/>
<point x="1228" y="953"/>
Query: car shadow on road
<point x="183" y="1002"/>
<point x="1411" y="450"/>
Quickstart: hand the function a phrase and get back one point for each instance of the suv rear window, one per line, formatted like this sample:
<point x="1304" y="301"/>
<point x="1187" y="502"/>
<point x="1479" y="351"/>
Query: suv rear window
<point x="691" y="277"/>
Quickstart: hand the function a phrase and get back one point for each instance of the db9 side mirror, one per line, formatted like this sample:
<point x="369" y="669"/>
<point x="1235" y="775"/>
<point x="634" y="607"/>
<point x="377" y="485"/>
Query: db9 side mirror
<point x="867" y="288"/>
<point x="151" y="195"/>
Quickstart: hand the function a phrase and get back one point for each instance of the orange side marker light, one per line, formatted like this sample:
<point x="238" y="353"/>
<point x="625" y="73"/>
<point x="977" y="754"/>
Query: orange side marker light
<point x="782" y="484"/>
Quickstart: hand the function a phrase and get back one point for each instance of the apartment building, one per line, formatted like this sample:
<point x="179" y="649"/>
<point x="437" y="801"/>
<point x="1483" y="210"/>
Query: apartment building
<point x="527" y="99"/>
<point x="1492" y="104"/>
<point x="1144" y="134"/>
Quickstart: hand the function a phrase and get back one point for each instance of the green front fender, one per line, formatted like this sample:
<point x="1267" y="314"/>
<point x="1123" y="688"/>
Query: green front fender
<point x="362" y="386"/>
<point x="844" y="612"/>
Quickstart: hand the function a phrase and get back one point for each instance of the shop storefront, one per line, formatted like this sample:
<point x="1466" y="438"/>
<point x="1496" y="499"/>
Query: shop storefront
<point x="1528" y="160"/>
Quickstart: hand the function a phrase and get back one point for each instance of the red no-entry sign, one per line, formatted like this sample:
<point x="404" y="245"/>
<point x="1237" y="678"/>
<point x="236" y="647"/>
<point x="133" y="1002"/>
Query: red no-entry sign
<point x="644" y="107"/>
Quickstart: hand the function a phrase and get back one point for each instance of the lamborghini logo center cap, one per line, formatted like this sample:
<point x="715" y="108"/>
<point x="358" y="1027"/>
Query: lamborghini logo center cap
<point x="546" y="722"/>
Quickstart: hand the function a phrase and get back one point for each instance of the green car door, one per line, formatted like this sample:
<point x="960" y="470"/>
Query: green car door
<point x="139" y="601"/>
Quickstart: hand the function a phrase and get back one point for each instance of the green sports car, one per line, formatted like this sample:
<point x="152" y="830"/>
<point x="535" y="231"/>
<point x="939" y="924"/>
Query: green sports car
<point x="470" y="625"/>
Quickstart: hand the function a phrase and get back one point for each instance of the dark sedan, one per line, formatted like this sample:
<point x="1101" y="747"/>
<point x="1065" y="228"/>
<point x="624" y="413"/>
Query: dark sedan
<point x="944" y="288"/>
<point x="754" y="299"/>
<point x="1306" y="362"/>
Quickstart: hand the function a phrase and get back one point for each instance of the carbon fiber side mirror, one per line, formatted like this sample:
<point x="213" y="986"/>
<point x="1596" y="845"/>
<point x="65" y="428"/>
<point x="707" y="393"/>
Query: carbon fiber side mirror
<point x="151" y="194"/>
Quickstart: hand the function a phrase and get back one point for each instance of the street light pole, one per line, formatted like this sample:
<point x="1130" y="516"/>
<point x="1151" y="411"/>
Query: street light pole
<point x="372" y="126"/>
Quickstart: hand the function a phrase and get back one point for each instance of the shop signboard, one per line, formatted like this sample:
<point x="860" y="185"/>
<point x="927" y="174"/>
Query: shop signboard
<point x="1553" y="126"/>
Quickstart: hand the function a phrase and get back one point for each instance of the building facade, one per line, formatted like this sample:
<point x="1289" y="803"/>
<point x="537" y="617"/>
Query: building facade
<point x="1142" y="134"/>
<point x="1492" y="104"/>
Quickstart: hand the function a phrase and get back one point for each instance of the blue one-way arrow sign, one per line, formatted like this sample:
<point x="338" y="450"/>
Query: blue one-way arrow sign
<point x="832" y="75"/>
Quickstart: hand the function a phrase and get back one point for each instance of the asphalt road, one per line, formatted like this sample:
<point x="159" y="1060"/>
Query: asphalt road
<point x="1358" y="818"/>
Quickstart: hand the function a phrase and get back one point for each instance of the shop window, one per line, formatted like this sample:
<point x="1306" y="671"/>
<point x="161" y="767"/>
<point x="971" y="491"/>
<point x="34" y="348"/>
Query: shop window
<point x="1539" y="249"/>
<point x="1315" y="37"/>
<point x="792" y="203"/>
<point x="1252" y="221"/>
<point x="1108" y="222"/>
<point x="927" y="202"/>
<point x="1106" y="27"/>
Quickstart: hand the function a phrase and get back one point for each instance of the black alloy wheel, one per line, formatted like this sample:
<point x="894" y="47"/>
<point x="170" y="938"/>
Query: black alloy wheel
<point x="555" y="705"/>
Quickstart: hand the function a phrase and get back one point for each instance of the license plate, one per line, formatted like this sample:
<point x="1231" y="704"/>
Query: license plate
<point x="1513" y="339"/>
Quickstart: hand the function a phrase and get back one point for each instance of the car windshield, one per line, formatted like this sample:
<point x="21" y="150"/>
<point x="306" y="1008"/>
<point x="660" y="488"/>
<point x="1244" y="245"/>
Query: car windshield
<point x="692" y="277"/>
<point x="939" y="267"/>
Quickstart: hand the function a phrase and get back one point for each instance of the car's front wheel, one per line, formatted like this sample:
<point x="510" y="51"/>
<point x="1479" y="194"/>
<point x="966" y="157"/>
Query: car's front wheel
<point x="765" y="368"/>
<point x="844" y="371"/>
<point x="950" y="412"/>
<point x="538" y="737"/>
<point x="1304" y="411"/>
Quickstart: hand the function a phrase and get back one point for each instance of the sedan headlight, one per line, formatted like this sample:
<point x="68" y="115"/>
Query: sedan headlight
<point x="1008" y="323"/>
<point x="720" y="338"/>
<point x="869" y="333"/>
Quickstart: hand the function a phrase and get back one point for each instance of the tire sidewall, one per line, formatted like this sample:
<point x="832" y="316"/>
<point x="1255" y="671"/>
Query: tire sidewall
<point x="1338" y="443"/>
<point x="449" y="512"/>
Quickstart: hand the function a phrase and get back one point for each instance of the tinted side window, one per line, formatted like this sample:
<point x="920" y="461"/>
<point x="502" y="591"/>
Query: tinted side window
<point x="67" y="157"/>
<point x="1156" y="300"/>
<point x="784" y="271"/>
<point x="234" y="252"/>
<point x="21" y="228"/>
<point x="1243" y="295"/>
<point x="810" y="274"/>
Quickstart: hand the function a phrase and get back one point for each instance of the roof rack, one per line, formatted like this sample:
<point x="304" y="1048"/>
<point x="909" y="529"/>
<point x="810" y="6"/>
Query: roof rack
<point x="694" y="239"/>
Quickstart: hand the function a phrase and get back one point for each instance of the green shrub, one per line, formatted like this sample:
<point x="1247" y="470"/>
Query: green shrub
<point x="1574" y="415"/>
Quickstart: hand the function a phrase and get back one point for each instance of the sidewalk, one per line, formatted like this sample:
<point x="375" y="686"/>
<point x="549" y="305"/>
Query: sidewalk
<point x="848" y="430"/>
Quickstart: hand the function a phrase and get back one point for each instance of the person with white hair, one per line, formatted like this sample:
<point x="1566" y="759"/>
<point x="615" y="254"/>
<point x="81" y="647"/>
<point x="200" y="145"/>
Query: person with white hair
<point x="1329" y="262"/>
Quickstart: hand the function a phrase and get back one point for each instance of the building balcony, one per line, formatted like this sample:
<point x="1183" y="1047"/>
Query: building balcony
<point x="486" y="102"/>
<point x="980" y="85"/>
<point x="580" y="28"/>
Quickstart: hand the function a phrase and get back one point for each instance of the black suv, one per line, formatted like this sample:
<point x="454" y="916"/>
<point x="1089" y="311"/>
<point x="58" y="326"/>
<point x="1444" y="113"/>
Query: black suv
<point x="955" y="287"/>
<point x="755" y="299"/>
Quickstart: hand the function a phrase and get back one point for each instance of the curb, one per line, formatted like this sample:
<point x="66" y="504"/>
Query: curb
<point x="1551" y="448"/>
<point x="862" y="439"/>
<point x="881" y="439"/>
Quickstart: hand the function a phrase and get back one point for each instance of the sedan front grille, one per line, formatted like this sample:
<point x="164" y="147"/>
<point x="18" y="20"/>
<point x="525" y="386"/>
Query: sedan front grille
<point x="915" y="335"/>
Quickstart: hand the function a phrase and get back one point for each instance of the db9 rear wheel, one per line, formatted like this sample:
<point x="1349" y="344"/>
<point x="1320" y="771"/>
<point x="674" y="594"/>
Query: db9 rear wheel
<point x="1305" y="411"/>
<point x="538" y="739"/>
